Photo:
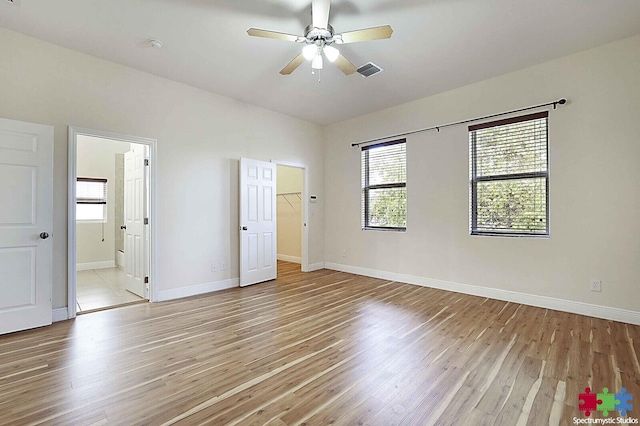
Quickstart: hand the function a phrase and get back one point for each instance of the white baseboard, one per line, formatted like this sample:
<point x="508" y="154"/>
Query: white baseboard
<point x="598" y="311"/>
<point x="315" y="266"/>
<point x="96" y="265"/>
<point x="59" y="314"/>
<point x="292" y="259"/>
<point x="193" y="290"/>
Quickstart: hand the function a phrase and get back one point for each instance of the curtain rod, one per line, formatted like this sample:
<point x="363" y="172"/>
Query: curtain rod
<point x="554" y="103"/>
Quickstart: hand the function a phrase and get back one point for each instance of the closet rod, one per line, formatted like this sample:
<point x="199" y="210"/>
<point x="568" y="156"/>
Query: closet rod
<point x="554" y="103"/>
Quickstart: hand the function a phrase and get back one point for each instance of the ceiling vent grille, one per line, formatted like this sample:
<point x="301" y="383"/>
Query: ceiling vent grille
<point x="369" y="69"/>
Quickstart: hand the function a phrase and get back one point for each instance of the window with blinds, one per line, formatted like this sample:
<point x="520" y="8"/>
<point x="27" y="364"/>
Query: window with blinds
<point x="510" y="176"/>
<point x="91" y="199"/>
<point x="384" y="186"/>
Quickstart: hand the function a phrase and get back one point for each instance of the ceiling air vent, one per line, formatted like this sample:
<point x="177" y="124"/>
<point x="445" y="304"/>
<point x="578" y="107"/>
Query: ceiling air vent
<point x="369" y="69"/>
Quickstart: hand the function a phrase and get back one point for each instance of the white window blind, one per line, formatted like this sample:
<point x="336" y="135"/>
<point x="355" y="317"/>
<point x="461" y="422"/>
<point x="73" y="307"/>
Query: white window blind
<point x="509" y="176"/>
<point x="384" y="186"/>
<point x="91" y="199"/>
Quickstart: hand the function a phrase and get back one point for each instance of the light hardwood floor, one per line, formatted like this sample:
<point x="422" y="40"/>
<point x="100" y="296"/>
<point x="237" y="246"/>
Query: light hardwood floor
<point x="316" y="348"/>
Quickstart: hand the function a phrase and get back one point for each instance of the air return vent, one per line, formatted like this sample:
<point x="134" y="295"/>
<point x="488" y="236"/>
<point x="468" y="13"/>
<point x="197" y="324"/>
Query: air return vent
<point x="369" y="69"/>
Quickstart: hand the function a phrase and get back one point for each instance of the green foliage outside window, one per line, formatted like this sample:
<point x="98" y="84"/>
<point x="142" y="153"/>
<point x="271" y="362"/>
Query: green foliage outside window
<point x="384" y="191"/>
<point x="509" y="178"/>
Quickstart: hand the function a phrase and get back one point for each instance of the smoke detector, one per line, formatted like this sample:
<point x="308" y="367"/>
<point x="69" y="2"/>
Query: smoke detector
<point x="156" y="44"/>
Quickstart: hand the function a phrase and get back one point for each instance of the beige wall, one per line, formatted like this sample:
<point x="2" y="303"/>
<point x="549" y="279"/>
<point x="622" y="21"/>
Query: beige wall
<point x="290" y="180"/>
<point x="594" y="191"/>
<point x="96" y="159"/>
<point x="201" y="137"/>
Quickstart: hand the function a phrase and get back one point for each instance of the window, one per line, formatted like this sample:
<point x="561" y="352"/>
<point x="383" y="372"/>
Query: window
<point x="510" y="177"/>
<point x="91" y="199"/>
<point x="384" y="186"/>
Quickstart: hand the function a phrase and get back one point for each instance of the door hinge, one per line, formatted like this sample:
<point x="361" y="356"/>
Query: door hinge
<point x="146" y="280"/>
<point x="146" y="161"/>
<point x="146" y="220"/>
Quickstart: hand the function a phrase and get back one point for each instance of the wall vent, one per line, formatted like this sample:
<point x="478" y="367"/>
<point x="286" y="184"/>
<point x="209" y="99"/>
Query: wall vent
<point x="369" y="69"/>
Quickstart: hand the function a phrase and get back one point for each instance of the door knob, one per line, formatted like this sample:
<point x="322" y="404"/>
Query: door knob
<point x="123" y="227"/>
<point x="44" y="235"/>
<point x="244" y="228"/>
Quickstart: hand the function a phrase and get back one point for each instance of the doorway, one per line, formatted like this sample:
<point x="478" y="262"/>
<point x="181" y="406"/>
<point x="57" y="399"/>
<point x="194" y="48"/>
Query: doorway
<point x="289" y="190"/>
<point x="110" y="217"/>
<point x="258" y="201"/>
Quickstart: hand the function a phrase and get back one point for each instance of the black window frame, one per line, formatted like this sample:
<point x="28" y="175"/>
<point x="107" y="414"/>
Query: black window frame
<point x="366" y="187"/>
<point x="475" y="179"/>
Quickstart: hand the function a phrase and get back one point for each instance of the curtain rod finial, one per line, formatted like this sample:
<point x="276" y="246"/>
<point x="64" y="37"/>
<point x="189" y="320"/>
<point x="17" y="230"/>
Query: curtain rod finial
<point x="562" y="101"/>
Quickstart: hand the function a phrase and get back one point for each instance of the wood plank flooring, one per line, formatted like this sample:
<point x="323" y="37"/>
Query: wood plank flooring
<point x="318" y="348"/>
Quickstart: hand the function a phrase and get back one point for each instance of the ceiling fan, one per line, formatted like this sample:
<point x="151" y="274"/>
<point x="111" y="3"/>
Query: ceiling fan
<point x="319" y="39"/>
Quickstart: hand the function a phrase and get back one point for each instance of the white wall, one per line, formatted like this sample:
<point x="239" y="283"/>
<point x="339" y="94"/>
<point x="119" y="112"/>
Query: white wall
<point x="289" y="180"/>
<point x="96" y="159"/>
<point x="201" y="137"/>
<point x="594" y="185"/>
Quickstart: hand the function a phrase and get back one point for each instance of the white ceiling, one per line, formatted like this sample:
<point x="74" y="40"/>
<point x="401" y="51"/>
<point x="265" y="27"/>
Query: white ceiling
<point x="437" y="45"/>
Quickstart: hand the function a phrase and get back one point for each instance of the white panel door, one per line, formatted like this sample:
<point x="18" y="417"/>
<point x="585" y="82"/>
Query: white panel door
<point x="134" y="213"/>
<point x="26" y="221"/>
<point x="258" y="236"/>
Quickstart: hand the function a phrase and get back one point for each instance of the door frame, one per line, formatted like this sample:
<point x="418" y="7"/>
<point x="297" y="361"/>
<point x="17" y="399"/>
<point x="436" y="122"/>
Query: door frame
<point x="74" y="132"/>
<point x="305" y="210"/>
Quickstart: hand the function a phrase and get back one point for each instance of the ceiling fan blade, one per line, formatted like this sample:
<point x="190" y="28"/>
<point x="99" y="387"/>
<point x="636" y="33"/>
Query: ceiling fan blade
<point x="291" y="66"/>
<point x="255" y="32"/>
<point x="345" y="65"/>
<point x="356" y="36"/>
<point x="320" y="13"/>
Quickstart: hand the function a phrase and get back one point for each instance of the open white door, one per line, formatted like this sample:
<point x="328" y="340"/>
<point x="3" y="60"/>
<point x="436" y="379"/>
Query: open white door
<point x="258" y="235"/>
<point x="26" y="221"/>
<point x="135" y="207"/>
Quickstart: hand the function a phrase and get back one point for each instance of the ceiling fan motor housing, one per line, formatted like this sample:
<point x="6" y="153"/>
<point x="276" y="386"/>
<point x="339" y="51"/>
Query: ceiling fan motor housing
<point x="312" y="34"/>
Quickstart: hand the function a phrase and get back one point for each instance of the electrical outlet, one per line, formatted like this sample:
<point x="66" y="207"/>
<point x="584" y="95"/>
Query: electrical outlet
<point x="223" y="266"/>
<point x="214" y="268"/>
<point x="596" y="285"/>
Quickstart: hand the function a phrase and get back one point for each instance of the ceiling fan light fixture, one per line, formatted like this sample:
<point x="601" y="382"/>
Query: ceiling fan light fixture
<point x="320" y="40"/>
<point x="317" y="62"/>
<point x="332" y="53"/>
<point x="309" y="51"/>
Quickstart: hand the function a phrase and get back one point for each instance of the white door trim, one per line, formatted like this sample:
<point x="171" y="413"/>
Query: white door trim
<point x="305" y="210"/>
<point x="74" y="132"/>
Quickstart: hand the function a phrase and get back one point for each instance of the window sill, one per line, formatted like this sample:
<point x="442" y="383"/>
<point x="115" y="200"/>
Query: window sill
<point x="374" y="228"/>
<point x="507" y="235"/>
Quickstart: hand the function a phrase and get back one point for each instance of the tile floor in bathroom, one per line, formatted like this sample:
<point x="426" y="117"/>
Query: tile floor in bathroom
<point x="102" y="288"/>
